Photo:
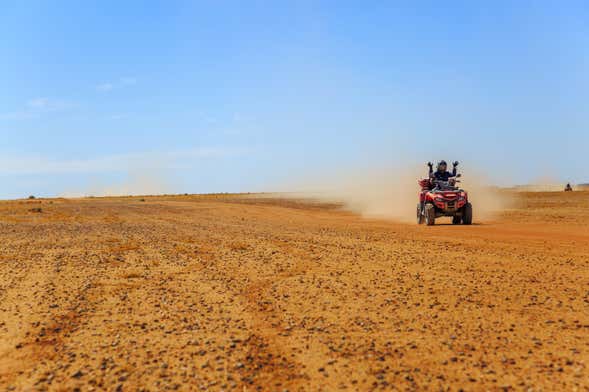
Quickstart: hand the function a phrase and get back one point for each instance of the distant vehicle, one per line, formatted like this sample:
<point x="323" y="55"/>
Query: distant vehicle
<point x="568" y="188"/>
<point x="443" y="198"/>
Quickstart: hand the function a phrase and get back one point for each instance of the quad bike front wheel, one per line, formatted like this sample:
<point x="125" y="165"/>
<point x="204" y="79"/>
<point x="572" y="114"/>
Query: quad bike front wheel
<point x="430" y="215"/>
<point x="467" y="214"/>
<point x="419" y="214"/>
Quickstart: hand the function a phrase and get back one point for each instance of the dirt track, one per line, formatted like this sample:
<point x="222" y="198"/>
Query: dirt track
<point x="246" y="294"/>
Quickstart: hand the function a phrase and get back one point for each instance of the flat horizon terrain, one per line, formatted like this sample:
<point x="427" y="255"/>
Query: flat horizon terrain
<point x="240" y="292"/>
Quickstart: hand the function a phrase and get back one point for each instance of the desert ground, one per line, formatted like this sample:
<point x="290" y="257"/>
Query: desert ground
<point x="248" y="293"/>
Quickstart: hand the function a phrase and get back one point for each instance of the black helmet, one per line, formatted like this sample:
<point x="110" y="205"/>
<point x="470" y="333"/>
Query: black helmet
<point x="442" y="163"/>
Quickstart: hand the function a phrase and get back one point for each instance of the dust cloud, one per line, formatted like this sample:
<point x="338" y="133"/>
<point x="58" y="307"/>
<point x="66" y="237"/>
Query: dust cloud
<point x="392" y="193"/>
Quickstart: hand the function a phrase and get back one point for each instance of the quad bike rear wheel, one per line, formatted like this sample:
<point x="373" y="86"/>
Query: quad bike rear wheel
<point x="467" y="214"/>
<point x="430" y="214"/>
<point x="456" y="219"/>
<point x="419" y="214"/>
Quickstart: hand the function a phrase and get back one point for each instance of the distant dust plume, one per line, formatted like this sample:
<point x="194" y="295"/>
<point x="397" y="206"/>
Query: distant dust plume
<point x="392" y="193"/>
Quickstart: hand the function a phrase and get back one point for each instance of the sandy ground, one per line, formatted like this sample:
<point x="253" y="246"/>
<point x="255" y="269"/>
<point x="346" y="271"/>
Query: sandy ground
<point x="234" y="293"/>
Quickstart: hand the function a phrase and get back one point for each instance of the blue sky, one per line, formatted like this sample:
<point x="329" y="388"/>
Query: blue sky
<point x="237" y="96"/>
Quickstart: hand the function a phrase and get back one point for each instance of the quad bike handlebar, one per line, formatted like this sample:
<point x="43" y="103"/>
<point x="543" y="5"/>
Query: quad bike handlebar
<point x="451" y="183"/>
<point x="431" y="182"/>
<point x="441" y="183"/>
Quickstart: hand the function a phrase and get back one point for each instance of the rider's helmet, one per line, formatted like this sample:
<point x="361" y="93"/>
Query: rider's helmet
<point x="442" y="166"/>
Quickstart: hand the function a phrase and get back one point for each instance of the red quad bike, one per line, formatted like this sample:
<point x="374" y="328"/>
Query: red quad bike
<point x="443" y="198"/>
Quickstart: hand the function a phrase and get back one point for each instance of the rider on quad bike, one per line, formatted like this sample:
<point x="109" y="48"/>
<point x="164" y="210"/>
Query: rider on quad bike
<point x="440" y="196"/>
<point x="441" y="173"/>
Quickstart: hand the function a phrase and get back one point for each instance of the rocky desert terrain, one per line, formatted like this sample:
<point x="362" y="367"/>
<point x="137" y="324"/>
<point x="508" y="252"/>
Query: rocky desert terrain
<point x="251" y="293"/>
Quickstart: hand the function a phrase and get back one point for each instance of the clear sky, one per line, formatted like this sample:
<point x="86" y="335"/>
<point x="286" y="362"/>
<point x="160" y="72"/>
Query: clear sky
<point x="204" y="96"/>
